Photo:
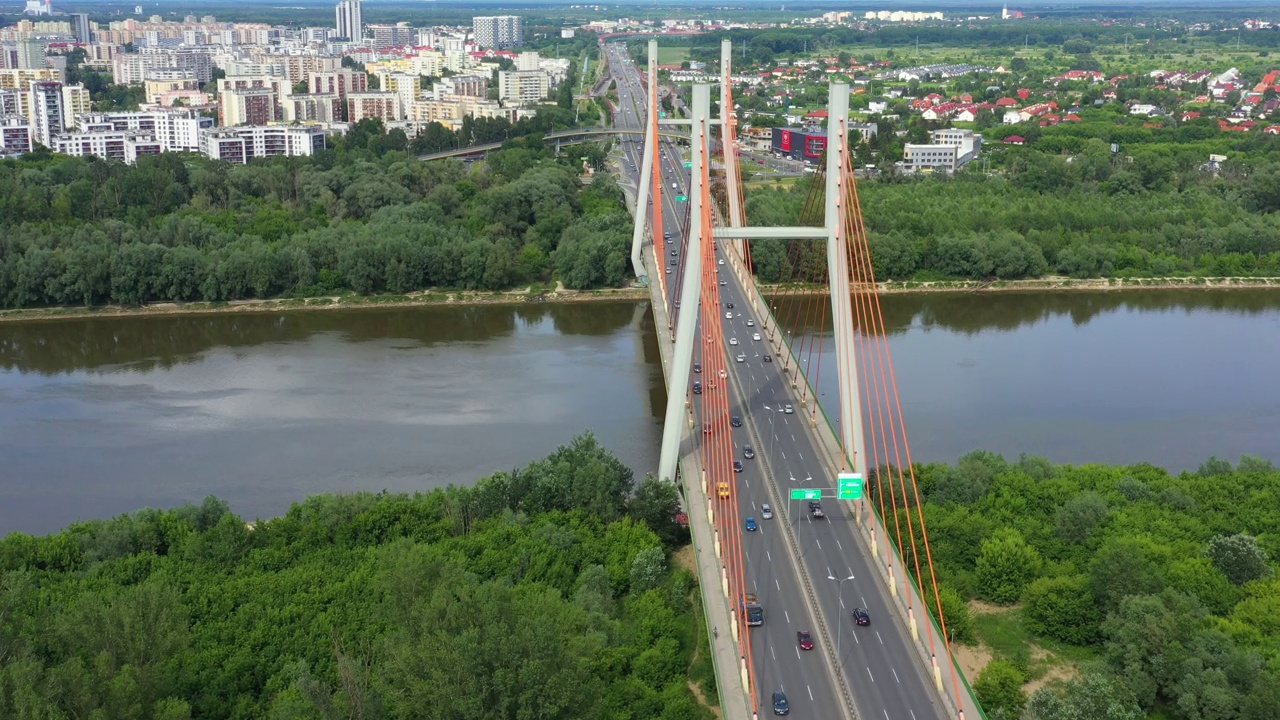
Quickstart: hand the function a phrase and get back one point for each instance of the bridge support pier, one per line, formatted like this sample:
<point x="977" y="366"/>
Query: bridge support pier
<point x="690" y="288"/>
<point x="646" y="179"/>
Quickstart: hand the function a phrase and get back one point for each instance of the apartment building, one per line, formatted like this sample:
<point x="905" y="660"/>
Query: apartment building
<point x="375" y="104"/>
<point x="176" y="130"/>
<point x="349" y="20"/>
<point x="313" y="108"/>
<point x="406" y="85"/>
<point x="52" y="107"/>
<point x="124" y="146"/>
<point x="468" y="85"/>
<point x="15" y="134"/>
<point x="497" y="31"/>
<point x="338" y="82"/>
<point x="523" y="86"/>
<point x="247" y="106"/>
<point x="241" y="144"/>
<point x="390" y="36"/>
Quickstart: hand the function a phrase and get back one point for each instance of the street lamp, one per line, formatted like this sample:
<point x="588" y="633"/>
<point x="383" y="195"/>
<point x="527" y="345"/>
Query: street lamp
<point x="839" y="618"/>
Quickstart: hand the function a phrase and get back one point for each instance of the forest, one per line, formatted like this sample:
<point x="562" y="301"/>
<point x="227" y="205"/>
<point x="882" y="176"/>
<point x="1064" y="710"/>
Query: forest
<point x="363" y="217"/>
<point x="545" y="592"/>
<point x="1160" y="587"/>
<point x="1062" y="205"/>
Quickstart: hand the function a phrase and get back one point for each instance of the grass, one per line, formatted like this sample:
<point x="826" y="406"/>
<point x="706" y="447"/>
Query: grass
<point x="1008" y="638"/>
<point x="672" y="55"/>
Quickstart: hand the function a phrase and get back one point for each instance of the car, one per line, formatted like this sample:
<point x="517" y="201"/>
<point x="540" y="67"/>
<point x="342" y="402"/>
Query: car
<point x="735" y="420"/>
<point x="741" y="358"/>
<point x="666" y="235"/>
<point x="768" y="357"/>
<point x="729" y="305"/>
<point x="766" y="512"/>
<point x="733" y="341"/>
<point x="723" y="489"/>
<point x="721" y="261"/>
<point x="675" y="261"/>
<point x="728" y="316"/>
<point x="751" y="323"/>
<point x="861" y="617"/>
<point x="737" y="466"/>
<point x="787" y="409"/>
<point x="697" y="387"/>
<point x="815" y="509"/>
<point x="674" y="253"/>
<point x="677" y="304"/>
<point x="706" y="427"/>
<point x="755" y="336"/>
<point x="748" y="452"/>
<point x="804" y="639"/>
<point x="723" y="283"/>
<point x="697" y="367"/>
<point x="668" y="271"/>
<point x="780" y="706"/>
<point x="751" y="524"/>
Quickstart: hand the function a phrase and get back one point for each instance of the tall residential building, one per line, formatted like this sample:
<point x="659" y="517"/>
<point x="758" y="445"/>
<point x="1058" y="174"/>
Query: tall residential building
<point x="246" y="106"/>
<point x="338" y="82"/>
<point x="75" y="101"/>
<point x="376" y="104"/>
<point x="523" y="86"/>
<point x="350" y="22"/>
<point x="398" y="35"/>
<point x="406" y="85"/>
<point x="30" y="54"/>
<point x="313" y="108"/>
<point x="15" y="134"/>
<point x="80" y="27"/>
<point x="177" y="130"/>
<point x="119" y="145"/>
<point x="497" y="31"/>
<point x="278" y="86"/>
<point x="46" y="111"/>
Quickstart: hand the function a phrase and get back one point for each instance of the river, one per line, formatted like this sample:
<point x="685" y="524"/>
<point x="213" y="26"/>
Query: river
<point x="104" y="416"/>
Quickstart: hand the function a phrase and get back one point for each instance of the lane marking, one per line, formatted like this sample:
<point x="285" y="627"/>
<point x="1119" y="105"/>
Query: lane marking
<point x="895" y="674"/>
<point x="879" y="638"/>
<point x="771" y="652"/>
<point x="775" y="582"/>
<point x="788" y="615"/>
<point x="810" y="693"/>
<point x="873" y="679"/>
<point x="841" y="547"/>
<point x="766" y="552"/>
<point x="815" y="542"/>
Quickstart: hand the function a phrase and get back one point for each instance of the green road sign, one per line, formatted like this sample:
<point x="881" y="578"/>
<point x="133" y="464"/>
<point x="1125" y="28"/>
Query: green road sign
<point x="682" y="198"/>
<point x="848" y="486"/>
<point x="688" y="163"/>
<point x="806" y="494"/>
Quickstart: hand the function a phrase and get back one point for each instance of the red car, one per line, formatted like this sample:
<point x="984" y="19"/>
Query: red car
<point x="805" y="639"/>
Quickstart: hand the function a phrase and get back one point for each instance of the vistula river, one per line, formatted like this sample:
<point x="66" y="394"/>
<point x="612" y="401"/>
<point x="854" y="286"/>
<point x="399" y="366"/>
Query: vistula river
<point x="104" y="416"/>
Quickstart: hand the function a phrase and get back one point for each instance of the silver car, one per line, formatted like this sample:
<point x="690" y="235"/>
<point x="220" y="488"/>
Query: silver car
<point x="766" y="512"/>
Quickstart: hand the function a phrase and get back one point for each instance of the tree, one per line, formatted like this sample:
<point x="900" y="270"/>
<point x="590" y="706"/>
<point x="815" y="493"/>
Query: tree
<point x="999" y="689"/>
<point x="647" y="569"/>
<point x="1078" y="518"/>
<point x="1006" y="563"/>
<point x="1093" y="696"/>
<point x="656" y="504"/>
<point x="1061" y="608"/>
<point x="1239" y="557"/>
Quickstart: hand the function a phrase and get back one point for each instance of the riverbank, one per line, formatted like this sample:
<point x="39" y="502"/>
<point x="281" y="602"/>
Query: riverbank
<point x="562" y="295"/>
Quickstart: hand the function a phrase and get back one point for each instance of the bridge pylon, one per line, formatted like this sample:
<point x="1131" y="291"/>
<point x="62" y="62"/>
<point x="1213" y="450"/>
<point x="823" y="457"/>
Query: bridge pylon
<point x="647" y="170"/>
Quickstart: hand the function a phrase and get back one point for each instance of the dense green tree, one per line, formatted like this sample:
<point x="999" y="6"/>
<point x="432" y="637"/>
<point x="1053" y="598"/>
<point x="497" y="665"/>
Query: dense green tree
<point x="1061" y="608"/>
<point x="999" y="689"/>
<point x="1239" y="557"/>
<point x="1006" y="563"/>
<point x="1093" y="696"/>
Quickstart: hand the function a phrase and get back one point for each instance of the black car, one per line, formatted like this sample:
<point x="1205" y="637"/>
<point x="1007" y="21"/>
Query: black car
<point x="768" y="358"/>
<point x="815" y="509"/>
<point x="737" y="466"/>
<point x="780" y="705"/>
<point x="697" y="387"/>
<point x="697" y="367"/>
<point x="729" y="305"/>
<point x="735" y="421"/>
<point x="748" y="452"/>
<point x="861" y="617"/>
<point x="673" y="253"/>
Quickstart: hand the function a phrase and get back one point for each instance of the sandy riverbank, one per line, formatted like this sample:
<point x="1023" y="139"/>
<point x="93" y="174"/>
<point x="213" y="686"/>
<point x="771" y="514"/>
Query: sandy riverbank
<point x="561" y="295"/>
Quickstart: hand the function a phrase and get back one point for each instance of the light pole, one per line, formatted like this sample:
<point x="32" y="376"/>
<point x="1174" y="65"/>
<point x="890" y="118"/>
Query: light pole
<point x="839" y="618"/>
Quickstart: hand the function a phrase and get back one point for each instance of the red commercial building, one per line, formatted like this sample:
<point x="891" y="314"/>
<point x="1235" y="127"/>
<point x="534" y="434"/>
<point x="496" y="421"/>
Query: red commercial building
<point x="799" y="144"/>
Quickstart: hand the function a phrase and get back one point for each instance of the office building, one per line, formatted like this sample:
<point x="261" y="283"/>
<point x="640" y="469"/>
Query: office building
<point x="350" y="22"/>
<point x="523" y="86"/>
<point x="242" y="144"/>
<point x="950" y="149"/>
<point x="497" y="31"/>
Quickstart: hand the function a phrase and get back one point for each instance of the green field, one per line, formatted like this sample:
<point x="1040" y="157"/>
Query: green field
<point x="672" y="55"/>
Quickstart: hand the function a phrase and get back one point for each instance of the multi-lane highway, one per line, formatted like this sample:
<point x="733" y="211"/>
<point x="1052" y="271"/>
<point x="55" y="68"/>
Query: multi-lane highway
<point x="885" y="675"/>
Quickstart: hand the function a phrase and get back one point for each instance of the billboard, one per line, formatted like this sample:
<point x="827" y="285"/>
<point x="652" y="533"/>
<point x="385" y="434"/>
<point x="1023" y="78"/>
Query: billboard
<point x="786" y="141"/>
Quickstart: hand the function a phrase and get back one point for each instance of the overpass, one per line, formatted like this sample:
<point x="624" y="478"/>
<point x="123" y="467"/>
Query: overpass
<point x="561" y="137"/>
<point x="744" y="430"/>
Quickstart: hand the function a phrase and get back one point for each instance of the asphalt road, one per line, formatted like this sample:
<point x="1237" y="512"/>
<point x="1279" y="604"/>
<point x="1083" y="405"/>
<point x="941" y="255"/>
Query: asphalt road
<point x="778" y="661"/>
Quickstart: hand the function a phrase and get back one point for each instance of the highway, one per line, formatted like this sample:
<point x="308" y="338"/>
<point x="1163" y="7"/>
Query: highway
<point x="779" y="662"/>
<point x="883" y="671"/>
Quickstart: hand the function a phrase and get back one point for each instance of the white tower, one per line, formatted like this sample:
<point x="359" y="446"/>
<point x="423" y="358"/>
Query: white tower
<point x="1004" y="13"/>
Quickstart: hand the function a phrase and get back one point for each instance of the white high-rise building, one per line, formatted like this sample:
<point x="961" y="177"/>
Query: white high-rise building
<point x="350" y="22"/>
<point x="497" y="31"/>
<point x="80" y="27"/>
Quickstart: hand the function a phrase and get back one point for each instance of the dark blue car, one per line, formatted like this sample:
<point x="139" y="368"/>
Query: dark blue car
<point x="780" y="706"/>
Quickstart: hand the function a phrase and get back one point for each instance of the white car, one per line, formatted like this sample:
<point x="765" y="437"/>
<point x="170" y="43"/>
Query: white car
<point x="721" y="261"/>
<point x="766" y="512"/>
<point x="728" y="316"/>
<point x="788" y="409"/>
<point x="723" y="283"/>
<point x="741" y="357"/>
<point x="751" y="323"/>
<point x="733" y="341"/>
<point x="755" y="336"/>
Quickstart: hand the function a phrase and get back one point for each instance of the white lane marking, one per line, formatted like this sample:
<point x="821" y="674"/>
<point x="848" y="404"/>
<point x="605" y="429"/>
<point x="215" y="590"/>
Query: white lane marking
<point x="864" y="600"/>
<point x="841" y="547"/>
<point x="775" y="582"/>
<point x="815" y="542"/>
<point x="886" y="714"/>
<point x="771" y="652"/>
<point x="810" y="692"/>
<point x="788" y="615"/>
<point x="828" y="571"/>
<point x="855" y="639"/>
<point x="913" y="713"/>
<point x="873" y="679"/>
<point x="797" y="653"/>
<point x="766" y="552"/>
<point x="841" y="603"/>
<point x="895" y="674"/>
<point x="879" y="638"/>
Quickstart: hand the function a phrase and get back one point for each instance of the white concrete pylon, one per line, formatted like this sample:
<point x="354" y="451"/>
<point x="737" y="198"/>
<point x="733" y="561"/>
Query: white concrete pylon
<point x="646" y="180"/>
